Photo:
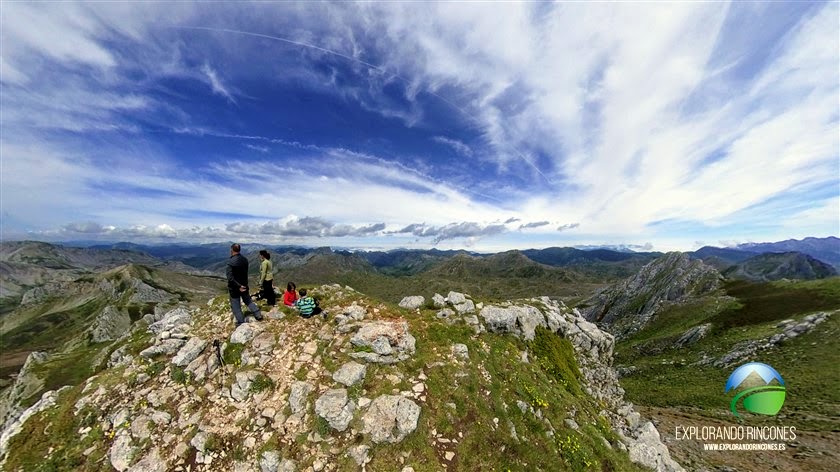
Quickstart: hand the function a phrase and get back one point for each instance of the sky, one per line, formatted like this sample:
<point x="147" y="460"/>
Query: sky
<point x="409" y="124"/>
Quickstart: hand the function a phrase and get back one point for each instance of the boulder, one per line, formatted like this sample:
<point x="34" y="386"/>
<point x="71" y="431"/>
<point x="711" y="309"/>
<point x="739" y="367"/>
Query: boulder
<point x="438" y="300"/>
<point x="390" y="418"/>
<point x="519" y="320"/>
<point x="693" y="335"/>
<point x="121" y="452"/>
<point x="189" y="352"/>
<point x="297" y="396"/>
<point x="350" y="373"/>
<point x="648" y="450"/>
<point x="166" y="347"/>
<point x="412" y="302"/>
<point x="461" y="351"/>
<point x="456" y="298"/>
<point x="176" y="317"/>
<point x="246" y="332"/>
<point x="263" y="343"/>
<point x="467" y="307"/>
<point x="336" y="407"/>
<point x="390" y="341"/>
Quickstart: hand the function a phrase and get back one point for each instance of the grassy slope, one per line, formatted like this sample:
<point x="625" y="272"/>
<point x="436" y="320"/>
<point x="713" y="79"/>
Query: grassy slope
<point x="463" y="400"/>
<point x="807" y="363"/>
<point x="58" y="324"/>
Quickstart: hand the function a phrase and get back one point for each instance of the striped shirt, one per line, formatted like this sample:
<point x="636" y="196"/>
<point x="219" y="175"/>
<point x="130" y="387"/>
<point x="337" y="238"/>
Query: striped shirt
<point x="306" y="305"/>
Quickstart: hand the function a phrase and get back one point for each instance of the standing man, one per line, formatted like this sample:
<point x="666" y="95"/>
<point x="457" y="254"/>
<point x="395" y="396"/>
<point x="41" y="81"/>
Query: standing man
<point x="237" y="276"/>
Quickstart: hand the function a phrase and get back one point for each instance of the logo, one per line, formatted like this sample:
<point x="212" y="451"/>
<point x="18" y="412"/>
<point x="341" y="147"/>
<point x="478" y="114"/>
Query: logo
<point x="760" y="386"/>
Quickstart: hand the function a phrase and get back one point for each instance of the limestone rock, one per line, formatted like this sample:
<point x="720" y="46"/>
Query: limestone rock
<point x="456" y="298"/>
<point x="166" y="347"/>
<point x="520" y="320"/>
<point x="461" y="351"/>
<point x="172" y="319"/>
<point x="693" y="335"/>
<point x="109" y="325"/>
<point x="412" y="302"/>
<point x="350" y="373"/>
<point x="390" y="418"/>
<point x="467" y="307"/>
<point x="390" y="341"/>
<point x="335" y="407"/>
<point x="438" y="300"/>
<point x="189" y="352"/>
<point x="151" y="462"/>
<point x="360" y="454"/>
<point x="270" y="461"/>
<point x="648" y="450"/>
<point x="121" y="452"/>
<point x="246" y="332"/>
<point x="298" y="394"/>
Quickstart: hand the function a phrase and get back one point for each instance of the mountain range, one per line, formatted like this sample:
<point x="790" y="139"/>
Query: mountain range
<point x="68" y="311"/>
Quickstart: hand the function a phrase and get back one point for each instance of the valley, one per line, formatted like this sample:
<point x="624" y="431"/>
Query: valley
<point x="680" y="325"/>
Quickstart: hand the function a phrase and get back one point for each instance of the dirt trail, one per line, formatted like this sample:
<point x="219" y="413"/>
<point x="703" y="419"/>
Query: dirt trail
<point x="811" y="451"/>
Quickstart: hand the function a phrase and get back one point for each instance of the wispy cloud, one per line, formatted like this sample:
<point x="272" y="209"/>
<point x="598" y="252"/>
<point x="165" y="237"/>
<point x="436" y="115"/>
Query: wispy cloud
<point x="257" y="148"/>
<point x="458" y="146"/>
<point x="216" y="83"/>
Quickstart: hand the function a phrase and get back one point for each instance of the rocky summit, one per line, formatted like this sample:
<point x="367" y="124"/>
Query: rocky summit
<point x="520" y="385"/>
<point x="628" y="306"/>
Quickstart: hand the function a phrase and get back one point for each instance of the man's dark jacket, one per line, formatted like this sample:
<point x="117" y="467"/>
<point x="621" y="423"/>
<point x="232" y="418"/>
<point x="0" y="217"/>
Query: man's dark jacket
<point x="237" y="275"/>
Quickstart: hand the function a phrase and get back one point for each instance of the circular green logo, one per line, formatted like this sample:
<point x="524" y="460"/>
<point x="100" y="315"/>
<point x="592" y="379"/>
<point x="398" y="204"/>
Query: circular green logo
<point x="759" y="386"/>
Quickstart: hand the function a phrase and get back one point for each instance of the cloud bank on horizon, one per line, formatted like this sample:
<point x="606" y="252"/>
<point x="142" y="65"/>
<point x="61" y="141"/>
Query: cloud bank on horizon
<point x="412" y="124"/>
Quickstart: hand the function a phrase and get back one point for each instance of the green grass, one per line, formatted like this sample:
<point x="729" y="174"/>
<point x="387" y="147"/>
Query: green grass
<point x="776" y="301"/>
<point x="666" y="378"/>
<point x="31" y="445"/>
<point x="233" y="354"/>
<point x="261" y="383"/>
<point x="179" y="375"/>
<point x="50" y="330"/>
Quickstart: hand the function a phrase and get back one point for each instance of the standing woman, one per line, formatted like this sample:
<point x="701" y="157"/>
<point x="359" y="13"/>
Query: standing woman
<point x="266" y="278"/>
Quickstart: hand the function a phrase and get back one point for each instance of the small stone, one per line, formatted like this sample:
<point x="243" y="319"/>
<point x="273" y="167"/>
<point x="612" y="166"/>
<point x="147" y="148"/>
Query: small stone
<point x="250" y="443"/>
<point x="360" y="454"/>
<point x="449" y="455"/>
<point x="270" y="461"/>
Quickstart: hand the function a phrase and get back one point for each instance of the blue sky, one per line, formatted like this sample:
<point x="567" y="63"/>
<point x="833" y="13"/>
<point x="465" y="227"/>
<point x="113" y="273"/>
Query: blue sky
<point x="408" y="124"/>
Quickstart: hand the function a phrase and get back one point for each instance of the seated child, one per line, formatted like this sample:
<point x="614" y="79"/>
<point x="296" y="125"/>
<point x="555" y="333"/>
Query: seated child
<point x="289" y="296"/>
<point x="307" y="305"/>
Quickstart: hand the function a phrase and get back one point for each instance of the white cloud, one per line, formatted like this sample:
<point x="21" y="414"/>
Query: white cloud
<point x="216" y="83"/>
<point x="458" y="146"/>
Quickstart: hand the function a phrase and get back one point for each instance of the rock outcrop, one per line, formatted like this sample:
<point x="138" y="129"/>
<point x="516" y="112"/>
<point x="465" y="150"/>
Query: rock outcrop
<point x="390" y="418"/>
<point x="789" y="329"/>
<point x="628" y="306"/>
<point x="109" y="325"/>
